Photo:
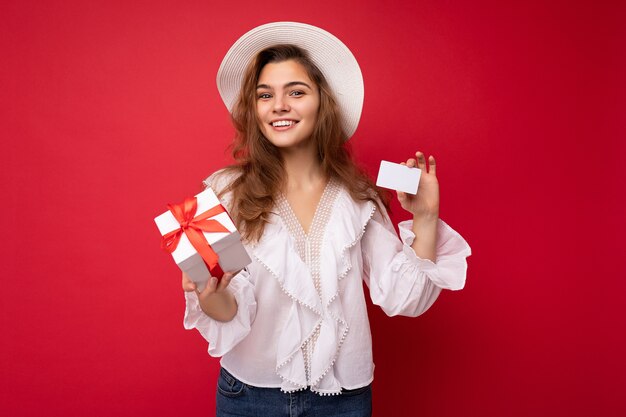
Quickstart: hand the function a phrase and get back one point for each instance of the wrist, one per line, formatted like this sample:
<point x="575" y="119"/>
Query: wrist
<point x="425" y="241"/>
<point x="425" y="221"/>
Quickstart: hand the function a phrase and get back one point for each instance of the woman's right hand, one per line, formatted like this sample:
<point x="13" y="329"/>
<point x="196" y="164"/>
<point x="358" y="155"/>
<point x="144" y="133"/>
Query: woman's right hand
<point x="213" y="284"/>
<point x="215" y="300"/>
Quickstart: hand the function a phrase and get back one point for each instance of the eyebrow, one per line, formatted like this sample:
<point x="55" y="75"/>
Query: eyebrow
<point x="289" y="84"/>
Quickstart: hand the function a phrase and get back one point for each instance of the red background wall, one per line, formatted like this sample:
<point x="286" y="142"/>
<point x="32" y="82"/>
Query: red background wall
<point x="109" y="111"/>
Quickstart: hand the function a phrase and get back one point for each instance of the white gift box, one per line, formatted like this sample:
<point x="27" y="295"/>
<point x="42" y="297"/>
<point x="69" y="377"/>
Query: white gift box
<point x="228" y="246"/>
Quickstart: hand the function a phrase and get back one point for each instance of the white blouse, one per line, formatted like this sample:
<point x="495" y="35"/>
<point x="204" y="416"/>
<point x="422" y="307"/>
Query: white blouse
<point x="302" y="318"/>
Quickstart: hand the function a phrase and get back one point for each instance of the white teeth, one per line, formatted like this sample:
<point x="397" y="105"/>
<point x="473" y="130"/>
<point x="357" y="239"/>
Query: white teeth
<point x="283" y="123"/>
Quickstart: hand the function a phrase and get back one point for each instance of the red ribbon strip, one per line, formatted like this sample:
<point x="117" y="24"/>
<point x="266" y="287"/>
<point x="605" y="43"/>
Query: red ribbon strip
<point x="194" y="227"/>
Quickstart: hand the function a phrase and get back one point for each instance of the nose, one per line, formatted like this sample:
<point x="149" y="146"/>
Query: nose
<point x="280" y="104"/>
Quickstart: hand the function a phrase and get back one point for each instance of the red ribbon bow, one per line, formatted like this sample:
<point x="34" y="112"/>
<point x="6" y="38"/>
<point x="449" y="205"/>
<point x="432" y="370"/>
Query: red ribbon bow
<point x="194" y="227"/>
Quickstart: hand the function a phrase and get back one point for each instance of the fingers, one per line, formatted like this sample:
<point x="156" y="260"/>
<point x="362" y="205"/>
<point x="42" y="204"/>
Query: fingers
<point x="420" y="162"/>
<point x="432" y="166"/>
<point x="188" y="284"/>
<point x="210" y="288"/>
<point x="226" y="278"/>
<point x="401" y="196"/>
<point x="214" y="284"/>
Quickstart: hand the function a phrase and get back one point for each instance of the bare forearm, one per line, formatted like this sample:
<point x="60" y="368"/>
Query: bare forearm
<point x="425" y="243"/>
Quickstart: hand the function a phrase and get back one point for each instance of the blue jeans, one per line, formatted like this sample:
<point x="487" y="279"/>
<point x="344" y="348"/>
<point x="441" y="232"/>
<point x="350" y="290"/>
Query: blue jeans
<point x="234" y="398"/>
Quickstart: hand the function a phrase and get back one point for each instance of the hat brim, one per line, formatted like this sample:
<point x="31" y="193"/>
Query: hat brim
<point x="329" y="54"/>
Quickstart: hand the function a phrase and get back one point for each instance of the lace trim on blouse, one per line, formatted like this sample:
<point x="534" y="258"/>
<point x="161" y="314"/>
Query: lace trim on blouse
<point x="308" y="247"/>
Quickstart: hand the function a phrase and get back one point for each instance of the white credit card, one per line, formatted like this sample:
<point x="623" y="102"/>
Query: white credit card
<point x="398" y="177"/>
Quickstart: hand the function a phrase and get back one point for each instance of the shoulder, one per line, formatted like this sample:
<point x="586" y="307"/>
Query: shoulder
<point x="221" y="182"/>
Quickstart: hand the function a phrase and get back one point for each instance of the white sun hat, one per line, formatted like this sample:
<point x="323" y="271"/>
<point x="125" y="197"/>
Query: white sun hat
<point x="328" y="53"/>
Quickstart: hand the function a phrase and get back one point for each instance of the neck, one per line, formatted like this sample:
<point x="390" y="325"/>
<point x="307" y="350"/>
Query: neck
<point x="302" y="167"/>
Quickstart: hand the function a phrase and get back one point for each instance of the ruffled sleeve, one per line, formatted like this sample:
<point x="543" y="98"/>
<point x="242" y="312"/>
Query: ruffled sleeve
<point x="402" y="283"/>
<point x="223" y="336"/>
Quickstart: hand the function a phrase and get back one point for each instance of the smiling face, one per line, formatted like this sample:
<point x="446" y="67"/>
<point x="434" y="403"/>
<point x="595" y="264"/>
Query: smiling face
<point x="287" y="104"/>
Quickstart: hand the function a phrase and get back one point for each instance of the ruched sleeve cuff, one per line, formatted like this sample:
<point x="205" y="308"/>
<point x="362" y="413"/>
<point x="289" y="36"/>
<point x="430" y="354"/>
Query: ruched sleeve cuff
<point x="449" y="270"/>
<point x="223" y="336"/>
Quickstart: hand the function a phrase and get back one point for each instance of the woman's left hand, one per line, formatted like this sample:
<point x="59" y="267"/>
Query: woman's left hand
<point x="425" y="204"/>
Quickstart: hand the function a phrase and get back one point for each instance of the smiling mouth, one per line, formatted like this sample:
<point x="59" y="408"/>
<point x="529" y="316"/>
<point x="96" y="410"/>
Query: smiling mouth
<point x="283" y="123"/>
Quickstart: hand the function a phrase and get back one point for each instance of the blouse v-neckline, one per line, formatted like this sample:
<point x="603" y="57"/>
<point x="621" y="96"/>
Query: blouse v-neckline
<point x="320" y="217"/>
<point x="308" y="246"/>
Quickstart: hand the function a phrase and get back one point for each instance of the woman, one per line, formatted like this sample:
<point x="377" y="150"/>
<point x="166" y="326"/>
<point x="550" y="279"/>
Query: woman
<point x="292" y="328"/>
